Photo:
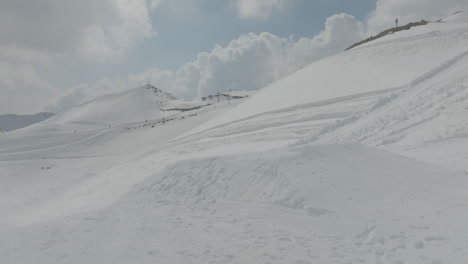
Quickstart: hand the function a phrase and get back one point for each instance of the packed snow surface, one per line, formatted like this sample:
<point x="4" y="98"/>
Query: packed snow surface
<point x="358" y="158"/>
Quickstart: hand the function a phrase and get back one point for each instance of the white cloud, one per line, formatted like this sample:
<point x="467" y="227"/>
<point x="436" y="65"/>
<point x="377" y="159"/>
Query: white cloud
<point x="387" y="11"/>
<point x="249" y="62"/>
<point x="341" y="30"/>
<point x="35" y="34"/>
<point x="253" y="61"/>
<point x="84" y="93"/>
<point x="153" y="4"/>
<point x="258" y="8"/>
<point x="91" y="28"/>
<point x="22" y="89"/>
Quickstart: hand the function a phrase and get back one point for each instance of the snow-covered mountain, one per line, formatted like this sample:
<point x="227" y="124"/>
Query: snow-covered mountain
<point x="11" y="122"/>
<point x="133" y="105"/>
<point x="357" y="158"/>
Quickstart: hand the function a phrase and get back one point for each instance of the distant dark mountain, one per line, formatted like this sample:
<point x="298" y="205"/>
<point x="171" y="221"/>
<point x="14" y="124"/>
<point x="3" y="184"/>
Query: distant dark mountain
<point x="11" y="122"/>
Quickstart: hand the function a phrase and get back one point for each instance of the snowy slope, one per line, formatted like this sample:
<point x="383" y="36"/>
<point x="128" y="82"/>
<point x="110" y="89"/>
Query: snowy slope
<point x="301" y="205"/>
<point x="358" y="158"/>
<point x="85" y="150"/>
<point x="409" y="115"/>
<point x="457" y="17"/>
<point x="384" y="64"/>
<point x="11" y="122"/>
<point x="136" y="104"/>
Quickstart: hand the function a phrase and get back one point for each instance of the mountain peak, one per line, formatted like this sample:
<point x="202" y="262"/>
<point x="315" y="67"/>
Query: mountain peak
<point x="140" y="103"/>
<point x="160" y="92"/>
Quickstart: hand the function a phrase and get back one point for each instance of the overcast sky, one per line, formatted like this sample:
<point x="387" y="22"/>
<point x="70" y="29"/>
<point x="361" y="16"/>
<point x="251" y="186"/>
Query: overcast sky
<point x="55" y="54"/>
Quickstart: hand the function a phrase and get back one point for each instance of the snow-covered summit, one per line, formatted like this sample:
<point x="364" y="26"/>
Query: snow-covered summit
<point x="164" y="96"/>
<point x="132" y="105"/>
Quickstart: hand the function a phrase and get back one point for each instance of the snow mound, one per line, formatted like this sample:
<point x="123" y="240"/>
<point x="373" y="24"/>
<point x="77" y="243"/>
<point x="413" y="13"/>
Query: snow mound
<point x="358" y="202"/>
<point x="299" y="178"/>
<point x="142" y="103"/>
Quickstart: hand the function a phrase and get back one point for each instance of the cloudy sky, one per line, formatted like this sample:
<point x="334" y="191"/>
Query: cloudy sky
<point x="55" y="54"/>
